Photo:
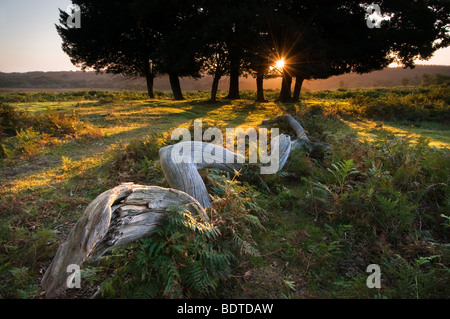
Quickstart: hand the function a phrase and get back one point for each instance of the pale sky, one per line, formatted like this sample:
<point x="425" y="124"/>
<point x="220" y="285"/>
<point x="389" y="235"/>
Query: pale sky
<point x="29" y="41"/>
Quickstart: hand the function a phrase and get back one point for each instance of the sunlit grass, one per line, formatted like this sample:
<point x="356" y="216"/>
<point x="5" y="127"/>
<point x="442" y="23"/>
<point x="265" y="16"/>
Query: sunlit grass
<point x="41" y="193"/>
<point x="121" y="123"/>
<point x="36" y="107"/>
<point x="439" y="135"/>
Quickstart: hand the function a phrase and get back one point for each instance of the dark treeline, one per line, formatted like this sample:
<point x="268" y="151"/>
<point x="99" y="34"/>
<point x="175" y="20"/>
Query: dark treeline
<point x="316" y="39"/>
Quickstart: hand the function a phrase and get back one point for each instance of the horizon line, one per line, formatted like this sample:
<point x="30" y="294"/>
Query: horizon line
<point x="102" y="72"/>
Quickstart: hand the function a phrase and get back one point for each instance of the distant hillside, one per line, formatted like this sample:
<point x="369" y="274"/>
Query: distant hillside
<point x="384" y="78"/>
<point x="68" y="80"/>
<point x="90" y="80"/>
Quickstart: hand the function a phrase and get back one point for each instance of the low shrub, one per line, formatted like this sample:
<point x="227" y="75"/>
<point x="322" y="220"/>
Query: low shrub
<point x="137" y="161"/>
<point x="430" y="104"/>
<point x="394" y="194"/>
<point x="28" y="134"/>
<point x="188" y="257"/>
<point x="27" y="142"/>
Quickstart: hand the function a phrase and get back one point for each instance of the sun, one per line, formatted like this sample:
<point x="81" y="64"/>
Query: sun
<point x="280" y="64"/>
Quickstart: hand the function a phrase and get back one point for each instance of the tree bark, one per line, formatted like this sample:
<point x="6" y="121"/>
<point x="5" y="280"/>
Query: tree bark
<point x="149" y="78"/>
<point x="235" y="64"/>
<point x="215" y="87"/>
<point x="285" y="93"/>
<point x="182" y="173"/>
<point x="289" y="120"/>
<point x="175" y="85"/>
<point x="260" y="87"/>
<point x="297" y="88"/>
<point x="129" y="212"/>
<point x="117" y="217"/>
<point x="233" y="92"/>
<point x="302" y="142"/>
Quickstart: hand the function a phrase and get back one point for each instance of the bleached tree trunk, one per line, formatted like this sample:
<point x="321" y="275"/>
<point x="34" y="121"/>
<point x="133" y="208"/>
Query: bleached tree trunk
<point x="302" y="141"/>
<point x="292" y="123"/>
<point x="129" y="212"/>
<point x="181" y="162"/>
<point x="117" y="217"/>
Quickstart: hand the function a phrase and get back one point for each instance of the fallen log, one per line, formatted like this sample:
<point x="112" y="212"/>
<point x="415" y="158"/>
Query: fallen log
<point x="181" y="162"/>
<point x="301" y="142"/>
<point x="117" y="217"/>
<point x="129" y="212"/>
<point x="292" y="123"/>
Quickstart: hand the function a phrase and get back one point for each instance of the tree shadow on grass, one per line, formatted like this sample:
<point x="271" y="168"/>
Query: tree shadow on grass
<point x="151" y="124"/>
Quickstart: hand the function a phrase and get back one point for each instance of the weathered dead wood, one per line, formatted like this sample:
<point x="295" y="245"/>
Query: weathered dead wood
<point x="292" y="123"/>
<point x="181" y="162"/>
<point x="316" y="149"/>
<point x="117" y="217"/>
<point x="129" y="212"/>
<point x="285" y="148"/>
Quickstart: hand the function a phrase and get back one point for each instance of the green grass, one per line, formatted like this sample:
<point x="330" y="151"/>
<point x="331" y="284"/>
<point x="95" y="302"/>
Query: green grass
<point x="436" y="132"/>
<point x="49" y="190"/>
<point x="322" y="225"/>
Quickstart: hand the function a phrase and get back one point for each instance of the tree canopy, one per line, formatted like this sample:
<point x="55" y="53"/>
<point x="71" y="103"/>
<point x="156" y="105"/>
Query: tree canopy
<point x="190" y="38"/>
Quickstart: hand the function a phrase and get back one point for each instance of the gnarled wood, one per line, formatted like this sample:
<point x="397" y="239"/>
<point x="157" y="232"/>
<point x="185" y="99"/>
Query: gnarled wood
<point x="292" y="123"/>
<point x="117" y="217"/>
<point x="302" y="141"/>
<point x="129" y="212"/>
<point x="181" y="162"/>
<point x="285" y="146"/>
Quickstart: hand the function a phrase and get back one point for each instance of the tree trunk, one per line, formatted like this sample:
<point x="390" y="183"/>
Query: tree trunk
<point x="233" y="92"/>
<point x="235" y="62"/>
<point x="215" y="87"/>
<point x="291" y="122"/>
<point x="260" y="87"/>
<point x="285" y="93"/>
<point x="149" y="77"/>
<point x="316" y="150"/>
<point x="175" y="85"/>
<point x="298" y="88"/>
<point x="117" y="217"/>
<point x="129" y="212"/>
<point x="181" y="162"/>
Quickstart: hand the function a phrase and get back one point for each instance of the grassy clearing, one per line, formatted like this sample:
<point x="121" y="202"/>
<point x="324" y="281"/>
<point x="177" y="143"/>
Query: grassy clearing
<point x="438" y="134"/>
<point x="383" y="198"/>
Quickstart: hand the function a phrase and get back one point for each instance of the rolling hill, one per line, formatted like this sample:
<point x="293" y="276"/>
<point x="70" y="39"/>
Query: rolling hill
<point x="55" y="81"/>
